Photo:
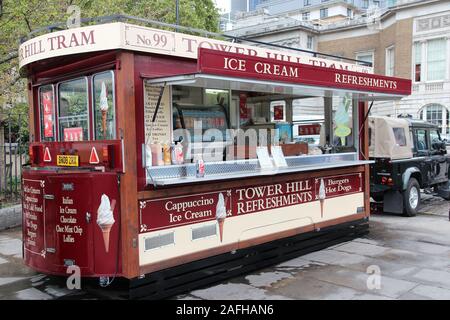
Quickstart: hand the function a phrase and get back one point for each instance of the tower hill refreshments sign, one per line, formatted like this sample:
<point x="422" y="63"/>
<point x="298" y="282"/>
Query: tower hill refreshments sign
<point x="120" y="35"/>
<point x="164" y="213"/>
<point x="251" y="67"/>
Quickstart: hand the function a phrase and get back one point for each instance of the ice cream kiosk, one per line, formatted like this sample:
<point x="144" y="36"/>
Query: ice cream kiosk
<point x="168" y="159"/>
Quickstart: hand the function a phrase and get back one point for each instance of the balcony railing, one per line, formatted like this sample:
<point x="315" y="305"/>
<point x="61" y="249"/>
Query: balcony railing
<point x="431" y="87"/>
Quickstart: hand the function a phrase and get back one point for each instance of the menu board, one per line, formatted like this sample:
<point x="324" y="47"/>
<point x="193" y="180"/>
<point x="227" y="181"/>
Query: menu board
<point x="160" y="130"/>
<point x="264" y="159"/>
<point x="278" y="156"/>
<point x="33" y="215"/>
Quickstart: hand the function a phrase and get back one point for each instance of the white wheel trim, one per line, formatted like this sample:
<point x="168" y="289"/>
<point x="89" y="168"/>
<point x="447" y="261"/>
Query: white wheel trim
<point x="413" y="197"/>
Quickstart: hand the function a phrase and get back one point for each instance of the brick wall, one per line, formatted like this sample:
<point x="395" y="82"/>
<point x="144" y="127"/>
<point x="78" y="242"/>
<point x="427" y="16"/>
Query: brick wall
<point x="399" y="34"/>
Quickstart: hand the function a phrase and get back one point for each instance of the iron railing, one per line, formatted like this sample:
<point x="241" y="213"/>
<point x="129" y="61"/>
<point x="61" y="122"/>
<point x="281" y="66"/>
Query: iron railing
<point x="13" y="155"/>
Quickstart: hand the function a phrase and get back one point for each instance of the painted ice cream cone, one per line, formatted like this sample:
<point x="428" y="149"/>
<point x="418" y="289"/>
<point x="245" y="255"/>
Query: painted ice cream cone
<point x="103" y="121"/>
<point x="221" y="214"/>
<point x="105" y="218"/>
<point x="322" y="196"/>
<point x="104" y="106"/>
<point x="321" y="207"/>
<point x="106" y="230"/>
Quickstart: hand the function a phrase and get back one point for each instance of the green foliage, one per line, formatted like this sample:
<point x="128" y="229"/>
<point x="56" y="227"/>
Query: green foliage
<point x="17" y="119"/>
<point x="19" y="17"/>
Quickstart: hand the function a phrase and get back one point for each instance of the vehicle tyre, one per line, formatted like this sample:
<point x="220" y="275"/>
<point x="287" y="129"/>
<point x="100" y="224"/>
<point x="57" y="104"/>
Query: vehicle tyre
<point x="411" y="198"/>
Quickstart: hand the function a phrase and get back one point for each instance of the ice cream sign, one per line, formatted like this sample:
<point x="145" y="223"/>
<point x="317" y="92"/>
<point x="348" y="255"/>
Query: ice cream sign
<point x="219" y="206"/>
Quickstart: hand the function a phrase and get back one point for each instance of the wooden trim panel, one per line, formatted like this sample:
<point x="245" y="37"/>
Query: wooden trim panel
<point x="128" y="185"/>
<point x="244" y="244"/>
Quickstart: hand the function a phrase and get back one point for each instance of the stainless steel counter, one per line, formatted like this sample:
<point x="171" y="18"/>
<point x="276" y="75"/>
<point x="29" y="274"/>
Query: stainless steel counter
<point x="227" y="170"/>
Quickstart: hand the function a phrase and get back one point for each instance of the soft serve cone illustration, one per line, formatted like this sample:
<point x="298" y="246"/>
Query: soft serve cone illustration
<point x="321" y="196"/>
<point x="342" y="119"/>
<point x="221" y="214"/>
<point x="104" y="106"/>
<point x="105" y="218"/>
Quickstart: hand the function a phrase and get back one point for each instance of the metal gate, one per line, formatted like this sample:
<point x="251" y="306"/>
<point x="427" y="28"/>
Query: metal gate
<point x="13" y="154"/>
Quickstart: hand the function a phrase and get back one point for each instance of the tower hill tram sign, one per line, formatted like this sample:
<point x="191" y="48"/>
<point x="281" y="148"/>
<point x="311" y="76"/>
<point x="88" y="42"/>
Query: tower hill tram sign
<point x="108" y="192"/>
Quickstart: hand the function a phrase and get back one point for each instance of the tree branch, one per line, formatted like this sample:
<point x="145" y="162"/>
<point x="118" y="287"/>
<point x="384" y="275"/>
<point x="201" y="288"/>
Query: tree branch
<point x="9" y="57"/>
<point x="28" y="22"/>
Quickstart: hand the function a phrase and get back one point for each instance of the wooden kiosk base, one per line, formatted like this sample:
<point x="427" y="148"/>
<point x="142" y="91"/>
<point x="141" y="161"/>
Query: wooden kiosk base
<point x="197" y="274"/>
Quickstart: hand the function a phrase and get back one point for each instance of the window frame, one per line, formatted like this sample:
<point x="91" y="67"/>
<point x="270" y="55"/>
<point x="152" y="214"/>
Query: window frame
<point x="89" y="106"/>
<point x="427" y="42"/>
<point x="416" y="137"/>
<point x="431" y="141"/>
<point x="310" y="45"/>
<point x="417" y="47"/>
<point x="390" y="52"/>
<point x="41" y="115"/>
<point x="92" y="100"/>
<point x="366" y="53"/>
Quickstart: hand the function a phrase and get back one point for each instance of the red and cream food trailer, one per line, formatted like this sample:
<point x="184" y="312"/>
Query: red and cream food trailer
<point x="170" y="159"/>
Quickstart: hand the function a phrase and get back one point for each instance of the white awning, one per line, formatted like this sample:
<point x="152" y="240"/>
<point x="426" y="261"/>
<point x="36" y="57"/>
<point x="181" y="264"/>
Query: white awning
<point x="242" y="84"/>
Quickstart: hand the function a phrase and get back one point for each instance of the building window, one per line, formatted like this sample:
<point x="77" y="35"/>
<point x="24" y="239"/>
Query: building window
<point x="349" y="12"/>
<point x="390" y="61"/>
<point x="323" y="13"/>
<point x="417" y="61"/>
<point x="310" y="42"/>
<point x="365" y="56"/>
<point x="438" y="115"/>
<point x="376" y="3"/>
<point x="436" y="58"/>
<point x="305" y="16"/>
<point x="306" y="2"/>
<point x="365" y="4"/>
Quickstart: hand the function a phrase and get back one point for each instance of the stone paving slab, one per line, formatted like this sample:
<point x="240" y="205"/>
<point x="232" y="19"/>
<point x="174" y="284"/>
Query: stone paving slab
<point x="32" y="294"/>
<point x="434" y="277"/>
<point x="266" y="279"/>
<point x="390" y="287"/>
<point x="307" y="288"/>
<point x="9" y="247"/>
<point x="235" y="291"/>
<point x="10" y="217"/>
<point x="8" y="280"/>
<point x="431" y="292"/>
<point x="364" y="249"/>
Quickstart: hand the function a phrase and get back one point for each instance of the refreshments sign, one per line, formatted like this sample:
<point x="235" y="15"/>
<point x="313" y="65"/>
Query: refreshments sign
<point x="250" y="67"/>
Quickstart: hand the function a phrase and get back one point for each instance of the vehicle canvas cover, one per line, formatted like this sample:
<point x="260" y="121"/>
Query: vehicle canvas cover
<point x="389" y="138"/>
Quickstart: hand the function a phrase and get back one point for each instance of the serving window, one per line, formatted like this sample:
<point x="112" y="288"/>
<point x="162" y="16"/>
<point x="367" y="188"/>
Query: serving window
<point x="229" y="127"/>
